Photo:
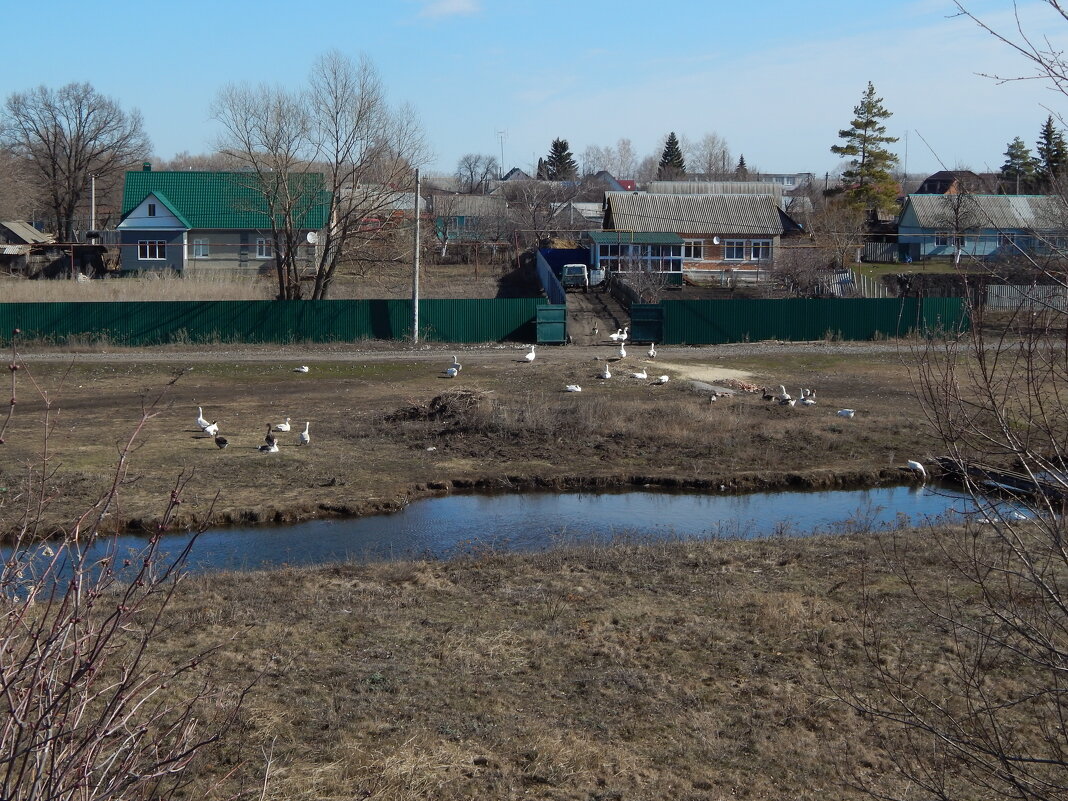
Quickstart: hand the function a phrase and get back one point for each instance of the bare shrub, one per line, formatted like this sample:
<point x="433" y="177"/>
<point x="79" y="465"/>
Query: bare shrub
<point x="92" y="710"/>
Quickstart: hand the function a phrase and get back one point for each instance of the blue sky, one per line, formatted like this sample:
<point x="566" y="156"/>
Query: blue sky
<point x="776" y="80"/>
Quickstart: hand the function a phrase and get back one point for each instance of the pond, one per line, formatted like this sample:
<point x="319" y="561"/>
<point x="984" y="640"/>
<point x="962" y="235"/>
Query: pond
<point x="457" y="524"/>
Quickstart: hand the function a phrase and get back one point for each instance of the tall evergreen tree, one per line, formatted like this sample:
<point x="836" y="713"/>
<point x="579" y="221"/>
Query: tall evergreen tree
<point x="741" y="172"/>
<point x="1052" y="154"/>
<point x="865" y="138"/>
<point x="542" y="173"/>
<point x="1018" y="171"/>
<point x="672" y="165"/>
<point x="560" y="165"/>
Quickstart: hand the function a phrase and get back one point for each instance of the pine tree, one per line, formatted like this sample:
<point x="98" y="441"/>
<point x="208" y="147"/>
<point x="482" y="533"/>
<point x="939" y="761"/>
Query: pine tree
<point x="560" y="165"/>
<point x="1052" y="154"/>
<point x="542" y="173"/>
<point x="869" y="172"/>
<point x="1018" y="171"/>
<point x="672" y="165"/>
<point x="741" y="172"/>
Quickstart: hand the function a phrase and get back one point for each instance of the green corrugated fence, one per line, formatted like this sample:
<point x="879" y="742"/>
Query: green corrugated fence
<point x="713" y="322"/>
<point x="162" y="322"/>
<point x="684" y="322"/>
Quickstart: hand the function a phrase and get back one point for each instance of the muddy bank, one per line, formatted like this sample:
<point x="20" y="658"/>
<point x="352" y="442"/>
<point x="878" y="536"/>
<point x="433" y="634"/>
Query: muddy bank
<point x="723" y="484"/>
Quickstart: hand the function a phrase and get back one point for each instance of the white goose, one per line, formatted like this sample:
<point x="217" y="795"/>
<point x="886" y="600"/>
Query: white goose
<point x="623" y="336"/>
<point x="212" y="428"/>
<point x="456" y="365"/>
<point x="530" y="356"/>
<point x="283" y="427"/>
<point x="573" y="388"/>
<point x="622" y="351"/>
<point x="606" y="373"/>
<point x="617" y="336"/>
<point x="783" y="395"/>
<point x="662" y="379"/>
<point x="201" y="422"/>
<point x="847" y="413"/>
<point x="451" y="372"/>
<point x="918" y="469"/>
<point x="652" y="350"/>
<point x="642" y="374"/>
<point x="302" y="369"/>
<point x="305" y="437"/>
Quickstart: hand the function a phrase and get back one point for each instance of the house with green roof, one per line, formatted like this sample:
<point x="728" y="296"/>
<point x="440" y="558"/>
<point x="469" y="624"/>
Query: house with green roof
<point x="191" y="221"/>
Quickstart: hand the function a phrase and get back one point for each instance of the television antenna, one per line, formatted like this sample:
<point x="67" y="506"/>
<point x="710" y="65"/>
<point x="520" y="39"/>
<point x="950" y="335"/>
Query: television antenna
<point x="501" y="136"/>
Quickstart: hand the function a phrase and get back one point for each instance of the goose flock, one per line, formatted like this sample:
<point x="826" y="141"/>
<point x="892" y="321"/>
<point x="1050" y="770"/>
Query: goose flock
<point x="270" y="441"/>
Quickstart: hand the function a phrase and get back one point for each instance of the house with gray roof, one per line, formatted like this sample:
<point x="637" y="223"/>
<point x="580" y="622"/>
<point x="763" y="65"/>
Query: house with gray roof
<point x="694" y="232"/>
<point x="191" y="220"/>
<point x="983" y="226"/>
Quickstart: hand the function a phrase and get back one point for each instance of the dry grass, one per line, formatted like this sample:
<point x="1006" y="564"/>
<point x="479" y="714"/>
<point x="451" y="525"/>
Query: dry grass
<point x="523" y="427"/>
<point x="689" y="670"/>
<point x="384" y="281"/>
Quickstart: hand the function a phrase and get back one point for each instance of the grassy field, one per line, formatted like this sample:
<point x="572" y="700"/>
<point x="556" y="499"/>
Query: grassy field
<point x="686" y="670"/>
<point x="388" y="427"/>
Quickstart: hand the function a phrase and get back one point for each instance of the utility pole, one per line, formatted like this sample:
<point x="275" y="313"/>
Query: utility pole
<point x="92" y="202"/>
<point x="415" y="265"/>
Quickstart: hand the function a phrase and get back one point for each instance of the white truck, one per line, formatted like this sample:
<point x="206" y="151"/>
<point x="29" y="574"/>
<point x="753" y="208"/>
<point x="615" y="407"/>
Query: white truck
<point x="579" y="276"/>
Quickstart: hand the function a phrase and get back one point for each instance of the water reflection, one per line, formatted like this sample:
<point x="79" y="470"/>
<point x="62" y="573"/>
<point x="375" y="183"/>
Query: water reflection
<point x="447" y="526"/>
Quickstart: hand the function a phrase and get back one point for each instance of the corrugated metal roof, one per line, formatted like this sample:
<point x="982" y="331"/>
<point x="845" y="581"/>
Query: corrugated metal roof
<point x="469" y="205"/>
<point x="26" y="232"/>
<point x="634" y="238"/>
<point x="1000" y="212"/>
<point x="225" y="199"/>
<point x="14" y="250"/>
<point x="756" y="215"/>
<point x="715" y="188"/>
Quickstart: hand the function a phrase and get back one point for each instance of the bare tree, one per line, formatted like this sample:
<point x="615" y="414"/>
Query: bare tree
<point x="474" y="172"/>
<point x="16" y="190"/>
<point x="625" y="165"/>
<point x="91" y="711"/>
<point x="709" y="156"/>
<point x="836" y="227"/>
<point x="341" y="128"/>
<point x="532" y="207"/>
<point x="66" y="136"/>
<point x="596" y="158"/>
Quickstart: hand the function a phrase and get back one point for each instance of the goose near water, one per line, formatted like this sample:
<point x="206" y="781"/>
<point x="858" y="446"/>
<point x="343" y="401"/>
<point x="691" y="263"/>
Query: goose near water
<point x="918" y="469"/>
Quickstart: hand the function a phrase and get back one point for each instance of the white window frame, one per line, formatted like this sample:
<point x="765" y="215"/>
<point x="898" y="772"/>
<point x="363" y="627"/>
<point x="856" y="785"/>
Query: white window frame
<point x="201" y="249"/>
<point x="1006" y="240"/>
<point x="733" y="244"/>
<point x="264" y="248"/>
<point x="760" y="250"/>
<point x="693" y="249"/>
<point x="941" y="239"/>
<point x="151" y="250"/>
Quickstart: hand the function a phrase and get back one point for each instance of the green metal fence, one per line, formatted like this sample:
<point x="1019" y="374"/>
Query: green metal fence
<point x="163" y="322"/>
<point x="684" y="322"/>
<point x="706" y="322"/>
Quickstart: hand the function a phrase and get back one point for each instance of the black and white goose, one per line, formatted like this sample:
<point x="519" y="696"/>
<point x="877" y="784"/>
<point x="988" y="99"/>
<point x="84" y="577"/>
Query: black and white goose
<point x="221" y="442"/>
<point x="212" y="428"/>
<point x="269" y="440"/>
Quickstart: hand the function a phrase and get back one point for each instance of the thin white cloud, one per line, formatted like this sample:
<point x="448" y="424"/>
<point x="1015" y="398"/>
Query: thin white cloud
<point x="436" y="9"/>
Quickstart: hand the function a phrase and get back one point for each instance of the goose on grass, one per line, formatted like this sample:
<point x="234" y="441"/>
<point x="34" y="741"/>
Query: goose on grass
<point x="283" y="427"/>
<point x="305" y="437"/>
<point x="201" y="422"/>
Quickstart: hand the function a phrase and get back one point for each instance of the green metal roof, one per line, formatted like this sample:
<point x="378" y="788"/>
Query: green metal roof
<point x="634" y="238"/>
<point x="162" y="198"/>
<point x="225" y="199"/>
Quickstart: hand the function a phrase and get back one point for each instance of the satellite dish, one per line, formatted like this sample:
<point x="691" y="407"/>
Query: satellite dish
<point x="715" y="240"/>
<point x="313" y="237"/>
